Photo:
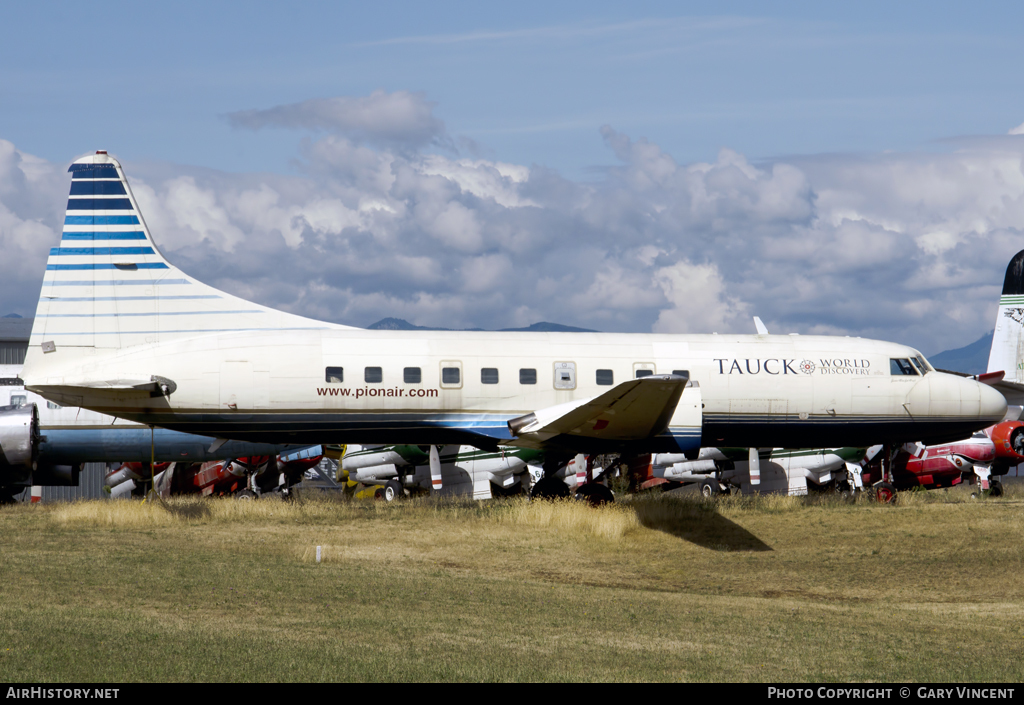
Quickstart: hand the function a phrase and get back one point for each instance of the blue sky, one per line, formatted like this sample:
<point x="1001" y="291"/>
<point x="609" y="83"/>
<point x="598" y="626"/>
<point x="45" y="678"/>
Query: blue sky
<point x="529" y="82"/>
<point x="652" y="166"/>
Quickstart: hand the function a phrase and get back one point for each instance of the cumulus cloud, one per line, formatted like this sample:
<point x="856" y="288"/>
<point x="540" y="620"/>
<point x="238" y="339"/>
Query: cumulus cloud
<point x="399" y="118"/>
<point x="909" y="247"/>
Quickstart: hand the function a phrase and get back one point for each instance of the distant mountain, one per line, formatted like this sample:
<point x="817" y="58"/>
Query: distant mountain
<point x="543" y="327"/>
<point x="398" y="324"/>
<point x="12" y="315"/>
<point x="971" y="359"/>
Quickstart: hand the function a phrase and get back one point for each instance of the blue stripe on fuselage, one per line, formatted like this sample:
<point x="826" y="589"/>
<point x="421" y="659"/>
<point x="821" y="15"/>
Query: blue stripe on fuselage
<point x="101" y="220"/>
<point x="134" y="265"/>
<point x="133" y="235"/>
<point x="97" y="188"/>
<point x="93" y="251"/>
<point x="99" y="204"/>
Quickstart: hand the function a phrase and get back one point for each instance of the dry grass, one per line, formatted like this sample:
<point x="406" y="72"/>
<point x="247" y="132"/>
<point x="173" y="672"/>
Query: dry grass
<point x="612" y="521"/>
<point x="658" y="587"/>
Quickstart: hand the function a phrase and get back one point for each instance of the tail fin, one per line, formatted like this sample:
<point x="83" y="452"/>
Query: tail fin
<point x="1007" y="353"/>
<point x="108" y="286"/>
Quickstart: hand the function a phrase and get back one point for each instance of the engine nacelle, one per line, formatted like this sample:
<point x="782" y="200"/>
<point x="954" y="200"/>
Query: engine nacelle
<point x="1008" y="439"/>
<point x="374" y="474"/>
<point x="19" y="444"/>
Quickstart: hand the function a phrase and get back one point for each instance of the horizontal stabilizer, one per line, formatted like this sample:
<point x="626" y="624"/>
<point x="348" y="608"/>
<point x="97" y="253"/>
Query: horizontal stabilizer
<point x="632" y="411"/>
<point x="71" y="391"/>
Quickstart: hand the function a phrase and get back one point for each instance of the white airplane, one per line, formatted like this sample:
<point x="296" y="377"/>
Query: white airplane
<point x="122" y="331"/>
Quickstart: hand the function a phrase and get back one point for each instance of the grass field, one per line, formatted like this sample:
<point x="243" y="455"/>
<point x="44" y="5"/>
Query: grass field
<point x="655" y="588"/>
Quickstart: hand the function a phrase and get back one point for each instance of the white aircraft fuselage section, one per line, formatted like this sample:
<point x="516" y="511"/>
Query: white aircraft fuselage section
<point x="122" y="331"/>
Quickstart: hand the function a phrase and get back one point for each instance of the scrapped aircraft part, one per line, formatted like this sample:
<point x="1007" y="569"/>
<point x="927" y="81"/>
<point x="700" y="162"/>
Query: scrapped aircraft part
<point x="885" y="493"/>
<point x="595" y="494"/>
<point x="754" y="465"/>
<point x="392" y="491"/>
<point x="844" y="488"/>
<point x="245" y="495"/>
<point x="550" y="488"/>
<point x="711" y="488"/>
<point x="123" y="490"/>
<point x="47" y="475"/>
<point x="19" y="437"/>
<point x="435" y="469"/>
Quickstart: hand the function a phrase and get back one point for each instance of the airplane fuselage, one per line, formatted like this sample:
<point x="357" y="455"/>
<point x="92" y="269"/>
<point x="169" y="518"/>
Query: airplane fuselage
<point x="420" y="387"/>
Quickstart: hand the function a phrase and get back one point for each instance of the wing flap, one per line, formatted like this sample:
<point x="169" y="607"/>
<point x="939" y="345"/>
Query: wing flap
<point x="631" y="411"/>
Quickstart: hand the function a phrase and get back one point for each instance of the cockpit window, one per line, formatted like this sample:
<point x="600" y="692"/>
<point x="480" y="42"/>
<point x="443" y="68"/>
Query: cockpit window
<point x="923" y="364"/>
<point x="901" y="366"/>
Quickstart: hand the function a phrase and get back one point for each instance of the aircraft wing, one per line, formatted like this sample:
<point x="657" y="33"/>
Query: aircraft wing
<point x="1011" y="389"/>
<point x="631" y="411"/>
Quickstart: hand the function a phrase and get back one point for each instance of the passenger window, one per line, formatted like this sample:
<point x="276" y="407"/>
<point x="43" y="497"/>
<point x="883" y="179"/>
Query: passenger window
<point x="644" y="373"/>
<point x="373" y="375"/>
<point x="51" y="405"/>
<point x="412" y="375"/>
<point x="901" y="366"/>
<point x="527" y="376"/>
<point x="451" y="374"/>
<point x="565" y="375"/>
<point x="489" y="375"/>
<point x="605" y="377"/>
<point x="681" y="373"/>
<point x="18" y="400"/>
<point x="335" y="375"/>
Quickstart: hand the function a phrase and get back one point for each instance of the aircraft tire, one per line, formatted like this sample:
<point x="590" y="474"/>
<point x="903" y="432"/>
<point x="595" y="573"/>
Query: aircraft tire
<point x="885" y="493"/>
<point x="550" y="488"/>
<point x="7" y="495"/>
<point x="245" y="495"/>
<point x="378" y="493"/>
<point x="391" y="491"/>
<point x="710" y="489"/>
<point x="594" y="494"/>
<point x="996" y="489"/>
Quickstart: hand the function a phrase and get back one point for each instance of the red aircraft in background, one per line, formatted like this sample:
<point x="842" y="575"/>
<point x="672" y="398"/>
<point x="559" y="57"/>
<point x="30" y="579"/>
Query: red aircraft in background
<point x="981" y="459"/>
<point x="245" y="478"/>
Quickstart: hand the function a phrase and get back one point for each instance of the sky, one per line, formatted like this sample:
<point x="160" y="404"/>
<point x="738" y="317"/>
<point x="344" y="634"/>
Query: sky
<point x="667" y="167"/>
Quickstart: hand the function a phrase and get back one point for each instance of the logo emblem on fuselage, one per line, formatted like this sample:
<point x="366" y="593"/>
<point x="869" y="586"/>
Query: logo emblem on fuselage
<point x="1015" y="314"/>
